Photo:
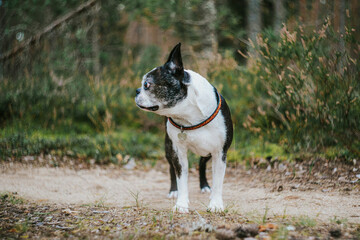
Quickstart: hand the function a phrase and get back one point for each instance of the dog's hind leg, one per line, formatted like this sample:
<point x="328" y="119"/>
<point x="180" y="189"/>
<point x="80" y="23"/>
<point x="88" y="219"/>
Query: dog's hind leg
<point x="204" y="185"/>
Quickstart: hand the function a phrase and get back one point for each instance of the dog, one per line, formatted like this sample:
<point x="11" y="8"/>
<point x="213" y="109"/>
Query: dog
<point x="197" y="119"/>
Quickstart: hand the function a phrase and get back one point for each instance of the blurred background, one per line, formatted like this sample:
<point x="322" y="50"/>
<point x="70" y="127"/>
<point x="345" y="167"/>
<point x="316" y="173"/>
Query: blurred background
<point x="289" y="70"/>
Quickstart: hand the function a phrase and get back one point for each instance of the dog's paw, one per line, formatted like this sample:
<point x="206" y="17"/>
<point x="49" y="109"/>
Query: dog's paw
<point x="181" y="209"/>
<point x="206" y="189"/>
<point x="172" y="194"/>
<point x="216" y="206"/>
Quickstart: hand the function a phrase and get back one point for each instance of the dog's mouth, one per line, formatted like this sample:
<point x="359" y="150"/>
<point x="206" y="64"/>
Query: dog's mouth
<point x="153" y="108"/>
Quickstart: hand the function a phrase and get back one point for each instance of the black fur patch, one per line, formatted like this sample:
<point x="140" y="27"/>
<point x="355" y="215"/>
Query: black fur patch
<point x="202" y="171"/>
<point x="173" y="159"/>
<point x="165" y="87"/>
<point x="225" y="111"/>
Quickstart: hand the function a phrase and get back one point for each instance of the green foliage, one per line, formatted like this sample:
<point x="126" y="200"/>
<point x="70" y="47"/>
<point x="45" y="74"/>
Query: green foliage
<point x="11" y="198"/>
<point x="149" y="58"/>
<point x="310" y="90"/>
<point x="304" y="221"/>
<point x="302" y="92"/>
<point x="43" y="98"/>
<point x="79" y="142"/>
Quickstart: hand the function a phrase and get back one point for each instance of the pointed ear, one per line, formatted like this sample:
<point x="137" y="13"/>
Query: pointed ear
<point x="174" y="62"/>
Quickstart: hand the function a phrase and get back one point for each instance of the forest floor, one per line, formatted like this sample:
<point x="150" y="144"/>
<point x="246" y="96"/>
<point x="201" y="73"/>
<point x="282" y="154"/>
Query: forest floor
<point x="265" y="200"/>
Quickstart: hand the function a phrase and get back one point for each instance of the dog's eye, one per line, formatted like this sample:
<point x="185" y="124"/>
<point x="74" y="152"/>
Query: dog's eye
<point x="146" y="85"/>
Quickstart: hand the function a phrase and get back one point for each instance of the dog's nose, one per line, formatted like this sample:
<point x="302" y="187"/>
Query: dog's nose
<point x="138" y="91"/>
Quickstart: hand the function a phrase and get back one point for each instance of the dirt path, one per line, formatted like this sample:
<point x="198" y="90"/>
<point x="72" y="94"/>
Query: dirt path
<point x="115" y="187"/>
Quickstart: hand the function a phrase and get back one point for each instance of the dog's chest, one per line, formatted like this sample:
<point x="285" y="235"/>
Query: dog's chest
<point x="206" y="140"/>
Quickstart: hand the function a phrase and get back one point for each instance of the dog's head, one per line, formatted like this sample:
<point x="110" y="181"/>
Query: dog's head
<point x="165" y="86"/>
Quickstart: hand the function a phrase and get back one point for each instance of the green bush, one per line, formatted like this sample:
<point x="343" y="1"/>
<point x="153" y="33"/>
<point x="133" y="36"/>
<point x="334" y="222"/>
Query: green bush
<point x="103" y="147"/>
<point x="45" y="99"/>
<point x="311" y="89"/>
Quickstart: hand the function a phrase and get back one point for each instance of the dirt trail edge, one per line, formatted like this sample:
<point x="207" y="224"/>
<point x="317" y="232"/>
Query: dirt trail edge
<point x="119" y="187"/>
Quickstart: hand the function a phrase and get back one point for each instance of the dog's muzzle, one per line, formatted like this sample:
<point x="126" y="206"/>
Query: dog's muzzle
<point x="153" y="108"/>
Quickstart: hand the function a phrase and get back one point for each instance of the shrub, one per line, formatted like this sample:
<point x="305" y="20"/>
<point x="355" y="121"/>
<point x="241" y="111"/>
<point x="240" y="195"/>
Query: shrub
<point x="311" y="89"/>
<point x="46" y="99"/>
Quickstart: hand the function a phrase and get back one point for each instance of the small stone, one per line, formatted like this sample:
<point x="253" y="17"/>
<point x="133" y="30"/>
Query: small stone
<point x="335" y="232"/>
<point x="264" y="236"/>
<point x="282" y="167"/>
<point x="342" y="179"/>
<point x="248" y="230"/>
<point x="67" y="211"/>
<point x="130" y="165"/>
<point x="48" y="218"/>
<point x="126" y="159"/>
<point x="290" y="228"/>
<point x="29" y="158"/>
<point x="225" y="234"/>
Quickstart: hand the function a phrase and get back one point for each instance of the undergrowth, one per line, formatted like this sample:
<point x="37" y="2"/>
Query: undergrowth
<point x="300" y="96"/>
<point x="109" y="147"/>
<point x="310" y="90"/>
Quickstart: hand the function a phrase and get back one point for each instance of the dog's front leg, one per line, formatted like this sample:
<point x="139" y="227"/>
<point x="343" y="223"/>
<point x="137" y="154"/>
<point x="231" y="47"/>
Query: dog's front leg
<point x="182" y="202"/>
<point x="218" y="171"/>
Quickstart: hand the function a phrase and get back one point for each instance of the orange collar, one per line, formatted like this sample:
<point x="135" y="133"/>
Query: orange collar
<point x="203" y="123"/>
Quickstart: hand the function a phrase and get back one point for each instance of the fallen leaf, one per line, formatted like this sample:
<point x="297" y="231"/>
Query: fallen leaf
<point x="271" y="226"/>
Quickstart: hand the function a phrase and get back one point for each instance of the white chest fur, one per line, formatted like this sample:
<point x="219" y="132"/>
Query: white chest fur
<point x="202" y="141"/>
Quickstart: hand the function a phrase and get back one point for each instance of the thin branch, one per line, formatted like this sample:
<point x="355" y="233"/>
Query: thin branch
<point x="46" y="30"/>
<point x="195" y="23"/>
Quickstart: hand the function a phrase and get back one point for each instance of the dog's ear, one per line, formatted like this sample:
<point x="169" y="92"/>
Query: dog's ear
<point x="174" y="62"/>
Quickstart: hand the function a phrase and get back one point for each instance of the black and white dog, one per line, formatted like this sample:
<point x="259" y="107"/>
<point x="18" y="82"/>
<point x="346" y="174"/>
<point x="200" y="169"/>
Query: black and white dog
<point x="198" y="119"/>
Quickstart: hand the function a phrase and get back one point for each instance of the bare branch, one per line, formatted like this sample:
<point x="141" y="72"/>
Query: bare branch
<point x="46" y="30"/>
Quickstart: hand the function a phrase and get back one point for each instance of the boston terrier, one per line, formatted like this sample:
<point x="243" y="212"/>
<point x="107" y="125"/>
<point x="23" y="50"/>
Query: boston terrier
<point x="197" y="119"/>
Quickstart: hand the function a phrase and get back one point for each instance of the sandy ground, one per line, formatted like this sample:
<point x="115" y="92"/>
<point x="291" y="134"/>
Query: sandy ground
<point x="117" y="187"/>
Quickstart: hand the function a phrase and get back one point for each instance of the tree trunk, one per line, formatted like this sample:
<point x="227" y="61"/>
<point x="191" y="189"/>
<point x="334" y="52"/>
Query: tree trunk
<point x="95" y="43"/>
<point x="336" y="14"/>
<point x="342" y="14"/>
<point x="355" y="23"/>
<point x="2" y="42"/>
<point x="254" y="25"/>
<point x="315" y="12"/>
<point x="279" y="14"/>
<point x="355" y="10"/>
<point x="303" y="11"/>
<point x="208" y="31"/>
